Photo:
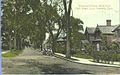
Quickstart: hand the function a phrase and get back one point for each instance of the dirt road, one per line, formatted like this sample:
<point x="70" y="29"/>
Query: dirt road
<point x="33" y="62"/>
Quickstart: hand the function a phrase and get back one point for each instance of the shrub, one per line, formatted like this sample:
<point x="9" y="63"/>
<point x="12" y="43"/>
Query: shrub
<point x="80" y="55"/>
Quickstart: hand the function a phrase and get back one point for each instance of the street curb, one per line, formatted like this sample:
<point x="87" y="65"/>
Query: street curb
<point x="61" y="57"/>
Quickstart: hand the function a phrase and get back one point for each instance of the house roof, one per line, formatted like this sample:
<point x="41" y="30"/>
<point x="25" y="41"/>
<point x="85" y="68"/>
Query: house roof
<point x="117" y="26"/>
<point x="62" y="37"/>
<point x="103" y="28"/>
<point x="106" y="29"/>
<point x="90" y="30"/>
<point x="62" y="34"/>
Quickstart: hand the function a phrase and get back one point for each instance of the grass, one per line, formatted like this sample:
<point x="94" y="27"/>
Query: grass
<point x="64" y="57"/>
<point x="11" y="54"/>
<point x="80" y="55"/>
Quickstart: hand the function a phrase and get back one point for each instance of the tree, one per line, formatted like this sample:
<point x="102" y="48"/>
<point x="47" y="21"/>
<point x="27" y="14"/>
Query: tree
<point x="67" y="17"/>
<point x="55" y="17"/>
<point x="7" y="22"/>
<point x="75" y="34"/>
<point x="37" y="35"/>
<point x="29" y="18"/>
<point x="15" y="20"/>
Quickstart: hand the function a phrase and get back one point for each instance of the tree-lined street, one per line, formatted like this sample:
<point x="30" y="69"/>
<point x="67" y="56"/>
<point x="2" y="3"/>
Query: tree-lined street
<point x="33" y="31"/>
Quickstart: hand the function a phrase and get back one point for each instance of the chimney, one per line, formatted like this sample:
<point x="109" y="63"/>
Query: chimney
<point x="108" y="22"/>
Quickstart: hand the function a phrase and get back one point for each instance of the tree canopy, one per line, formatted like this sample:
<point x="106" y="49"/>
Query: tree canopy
<point x="26" y="22"/>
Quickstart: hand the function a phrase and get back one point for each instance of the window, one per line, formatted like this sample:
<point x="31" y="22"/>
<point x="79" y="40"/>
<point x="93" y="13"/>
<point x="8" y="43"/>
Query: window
<point x="91" y="37"/>
<point x="97" y="35"/>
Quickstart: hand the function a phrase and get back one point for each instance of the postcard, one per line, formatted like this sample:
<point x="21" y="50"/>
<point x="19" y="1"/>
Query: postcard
<point x="60" y="37"/>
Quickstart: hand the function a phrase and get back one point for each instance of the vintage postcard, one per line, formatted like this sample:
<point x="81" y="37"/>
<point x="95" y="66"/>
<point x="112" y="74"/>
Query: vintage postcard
<point x="60" y="37"/>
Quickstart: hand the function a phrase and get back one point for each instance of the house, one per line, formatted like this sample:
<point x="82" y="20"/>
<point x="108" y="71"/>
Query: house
<point x="89" y="32"/>
<point x="62" y="37"/>
<point x="111" y="33"/>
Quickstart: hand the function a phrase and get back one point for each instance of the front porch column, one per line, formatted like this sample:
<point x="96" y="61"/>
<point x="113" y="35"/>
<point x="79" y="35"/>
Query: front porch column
<point x="98" y="46"/>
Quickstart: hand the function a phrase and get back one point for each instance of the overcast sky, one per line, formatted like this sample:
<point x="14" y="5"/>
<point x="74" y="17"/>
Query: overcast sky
<point x="93" y="12"/>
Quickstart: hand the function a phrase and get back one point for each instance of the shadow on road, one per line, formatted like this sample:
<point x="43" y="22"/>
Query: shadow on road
<point x="58" y="69"/>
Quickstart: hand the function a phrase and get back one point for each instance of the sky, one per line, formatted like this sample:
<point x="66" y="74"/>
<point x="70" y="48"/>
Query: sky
<point x="93" y="12"/>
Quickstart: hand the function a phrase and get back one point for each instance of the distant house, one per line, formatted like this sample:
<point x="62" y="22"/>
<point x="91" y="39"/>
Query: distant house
<point x="62" y="37"/>
<point x="110" y="32"/>
<point x="89" y="32"/>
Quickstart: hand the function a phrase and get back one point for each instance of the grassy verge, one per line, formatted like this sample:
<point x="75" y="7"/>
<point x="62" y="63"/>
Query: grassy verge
<point x="80" y="55"/>
<point x="58" y="56"/>
<point x="11" y="54"/>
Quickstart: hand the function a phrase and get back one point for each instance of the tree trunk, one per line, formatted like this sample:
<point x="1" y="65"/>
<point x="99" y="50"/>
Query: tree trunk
<point x="10" y="43"/>
<point x="54" y="46"/>
<point x="67" y="14"/>
<point x="17" y="43"/>
<point x="68" y="55"/>
<point x="21" y="44"/>
<point x="41" y="46"/>
<point x="35" y="44"/>
<point x="14" y="43"/>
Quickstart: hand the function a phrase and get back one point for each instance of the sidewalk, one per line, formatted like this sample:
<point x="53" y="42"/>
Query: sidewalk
<point x="89" y="61"/>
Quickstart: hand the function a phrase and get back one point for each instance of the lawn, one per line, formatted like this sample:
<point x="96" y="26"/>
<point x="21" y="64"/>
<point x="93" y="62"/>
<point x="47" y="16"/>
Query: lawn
<point x="80" y="55"/>
<point x="58" y="56"/>
<point x="12" y="54"/>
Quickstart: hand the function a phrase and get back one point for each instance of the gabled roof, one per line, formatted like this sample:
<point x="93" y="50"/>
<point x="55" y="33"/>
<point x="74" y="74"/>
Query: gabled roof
<point x="62" y="34"/>
<point x="62" y="37"/>
<point x="106" y="29"/>
<point x="103" y="28"/>
<point x="116" y="27"/>
<point x="90" y="30"/>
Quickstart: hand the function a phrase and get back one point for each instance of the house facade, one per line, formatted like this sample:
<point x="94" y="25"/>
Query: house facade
<point x="89" y="32"/>
<point x="108" y="32"/>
